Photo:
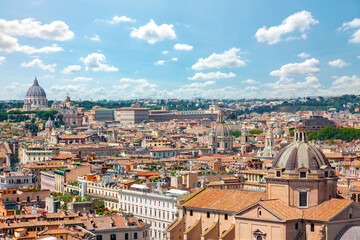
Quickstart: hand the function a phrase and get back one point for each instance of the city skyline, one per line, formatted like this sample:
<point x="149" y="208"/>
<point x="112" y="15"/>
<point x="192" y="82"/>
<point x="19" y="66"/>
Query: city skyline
<point x="159" y="49"/>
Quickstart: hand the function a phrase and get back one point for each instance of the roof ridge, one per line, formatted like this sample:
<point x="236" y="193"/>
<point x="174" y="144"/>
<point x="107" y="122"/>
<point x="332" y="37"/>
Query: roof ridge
<point x="194" y="194"/>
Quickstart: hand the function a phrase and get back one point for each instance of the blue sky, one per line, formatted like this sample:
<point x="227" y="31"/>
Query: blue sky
<point x="180" y="49"/>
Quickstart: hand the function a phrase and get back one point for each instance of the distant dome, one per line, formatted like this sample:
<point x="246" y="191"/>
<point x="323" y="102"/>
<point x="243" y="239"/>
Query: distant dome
<point x="221" y="129"/>
<point x="35" y="98"/>
<point x="49" y="123"/>
<point x="300" y="154"/>
<point x="35" y="90"/>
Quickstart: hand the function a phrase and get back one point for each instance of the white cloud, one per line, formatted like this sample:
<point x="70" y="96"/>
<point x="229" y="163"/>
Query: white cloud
<point x="95" y="38"/>
<point x="29" y="27"/>
<point x="159" y="62"/>
<point x="338" y="63"/>
<point x="229" y="59"/>
<point x="303" y="55"/>
<point x="10" y="44"/>
<point x="2" y="59"/>
<point x="82" y="79"/>
<point x="355" y="23"/>
<point x="48" y="76"/>
<point x="134" y="88"/>
<point x="250" y="81"/>
<point x="212" y="75"/>
<point x="251" y="88"/>
<point x="199" y="85"/>
<point x="117" y="19"/>
<point x="37" y="63"/>
<point x="96" y="62"/>
<point x="174" y="59"/>
<point x="309" y="66"/>
<point x="165" y="52"/>
<point x="300" y="21"/>
<point x="14" y="90"/>
<point x="345" y="85"/>
<point x="287" y="87"/>
<point x="152" y="33"/>
<point x="183" y="47"/>
<point x="71" y="69"/>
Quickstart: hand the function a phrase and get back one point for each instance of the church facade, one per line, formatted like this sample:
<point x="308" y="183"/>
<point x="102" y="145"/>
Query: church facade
<point x="300" y="203"/>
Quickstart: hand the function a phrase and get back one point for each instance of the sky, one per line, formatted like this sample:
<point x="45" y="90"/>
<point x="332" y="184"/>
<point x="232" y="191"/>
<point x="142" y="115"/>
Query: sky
<point x="167" y="49"/>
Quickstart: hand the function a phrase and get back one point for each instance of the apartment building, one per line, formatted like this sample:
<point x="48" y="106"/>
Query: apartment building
<point x="155" y="208"/>
<point x="131" y="115"/>
<point x="15" y="179"/>
<point x="28" y="155"/>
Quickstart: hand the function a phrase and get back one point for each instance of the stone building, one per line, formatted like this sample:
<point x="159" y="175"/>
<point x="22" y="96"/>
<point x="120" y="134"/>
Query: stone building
<point x="316" y="123"/>
<point x="131" y="115"/>
<point x="269" y="152"/>
<point x="220" y="139"/>
<point x="300" y="203"/>
<point x="35" y="98"/>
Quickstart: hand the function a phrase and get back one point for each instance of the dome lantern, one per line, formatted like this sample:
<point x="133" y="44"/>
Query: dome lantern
<point x="300" y="133"/>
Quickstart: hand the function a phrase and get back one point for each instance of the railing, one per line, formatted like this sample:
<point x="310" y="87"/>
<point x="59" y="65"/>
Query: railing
<point x="109" y="198"/>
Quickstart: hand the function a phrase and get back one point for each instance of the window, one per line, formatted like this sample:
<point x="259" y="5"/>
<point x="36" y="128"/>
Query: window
<point x="350" y="212"/>
<point x="126" y="236"/>
<point x="28" y="199"/>
<point x="312" y="227"/>
<point x="278" y="174"/>
<point x="99" y="237"/>
<point x="135" y="236"/>
<point x="191" y="212"/>
<point x="226" y="217"/>
<point x="296" y="226"/>
<point x="113" y="237"/>
<point x="303" y="199"/>
<point x="259" y="212"/>
<point x="208" y="214"/>
<point x="326" y="174"/>
<point x="259" y="238"/>
<point x="302" y="174"/>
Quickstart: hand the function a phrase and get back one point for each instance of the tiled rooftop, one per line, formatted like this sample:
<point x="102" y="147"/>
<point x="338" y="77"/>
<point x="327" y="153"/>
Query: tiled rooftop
<point x="326" y="210"/>
<point x="224" y="200"/>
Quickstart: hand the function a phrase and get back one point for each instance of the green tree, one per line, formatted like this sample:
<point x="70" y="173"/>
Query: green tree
<point x="236" y="133"/>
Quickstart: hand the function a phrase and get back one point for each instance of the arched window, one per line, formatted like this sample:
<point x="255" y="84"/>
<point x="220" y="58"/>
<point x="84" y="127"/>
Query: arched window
<point x="259" y="238"/>
<point x="358" y="198"/>
<point x="259" y="212"/>
<point x="353" y="196"/>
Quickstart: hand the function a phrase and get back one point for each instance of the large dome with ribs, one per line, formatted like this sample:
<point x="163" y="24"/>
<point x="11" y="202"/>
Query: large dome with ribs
<point x="221" y="129"/>
<point x="300" y="153"/>
<point x="35" y="90"/>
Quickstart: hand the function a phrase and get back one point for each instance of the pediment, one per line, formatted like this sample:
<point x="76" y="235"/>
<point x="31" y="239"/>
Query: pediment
<point x="253" y="212"/>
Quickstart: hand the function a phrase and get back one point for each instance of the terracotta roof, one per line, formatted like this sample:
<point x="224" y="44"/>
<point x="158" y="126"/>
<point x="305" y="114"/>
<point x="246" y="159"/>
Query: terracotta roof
<point x="224" y="200"/>
<point x="280" y="209"/>
<point x="72" y="136"/>
<point x="326" y="210"/>
<point x="110" y="222"/>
